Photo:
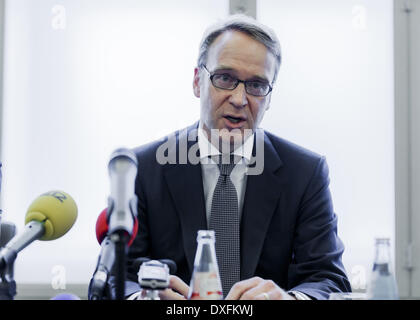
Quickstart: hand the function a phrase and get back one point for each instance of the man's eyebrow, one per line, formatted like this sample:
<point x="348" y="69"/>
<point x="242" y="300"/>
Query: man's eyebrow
<point x="229" y="69"/>
<point x="258" y="78"/>
<point x="223" y="68"/>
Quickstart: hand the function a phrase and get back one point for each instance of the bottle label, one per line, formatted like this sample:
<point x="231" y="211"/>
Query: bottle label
<point x="206" y="286"/>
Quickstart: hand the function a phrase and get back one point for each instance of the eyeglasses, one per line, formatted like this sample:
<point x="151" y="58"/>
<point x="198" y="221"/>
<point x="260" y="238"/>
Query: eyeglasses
<point x="227" y="82"/>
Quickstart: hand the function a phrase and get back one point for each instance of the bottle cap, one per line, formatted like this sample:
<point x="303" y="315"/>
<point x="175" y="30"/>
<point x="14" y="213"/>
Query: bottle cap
<point x="205" y="234"/>
<point x="382" y="240"/>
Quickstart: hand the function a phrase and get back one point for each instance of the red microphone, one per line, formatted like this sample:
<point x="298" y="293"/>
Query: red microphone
<point x="106" y="258"/>
<point x="102" y="228"/>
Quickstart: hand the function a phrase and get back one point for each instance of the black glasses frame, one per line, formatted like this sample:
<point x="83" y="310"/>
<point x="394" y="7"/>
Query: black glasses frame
<point x="238" y="81"/>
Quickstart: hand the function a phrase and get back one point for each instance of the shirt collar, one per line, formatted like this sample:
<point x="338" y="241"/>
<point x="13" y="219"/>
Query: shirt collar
<point x="208" y="150"/>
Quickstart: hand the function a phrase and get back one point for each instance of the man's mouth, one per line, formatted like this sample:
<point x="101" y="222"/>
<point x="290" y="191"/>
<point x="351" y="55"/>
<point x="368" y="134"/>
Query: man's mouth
<point x="234" y="120"/>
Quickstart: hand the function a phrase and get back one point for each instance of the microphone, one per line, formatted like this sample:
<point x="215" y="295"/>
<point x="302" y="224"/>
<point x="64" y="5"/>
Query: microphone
<point x="0" y="188"/>
<point x="7" y="283"/>
<point x="49" y="217"/>
<point x="122" y="202"/>
<point x="122" y="209"/>
<point x="7" y="232"/>
<point x="65" y="296"/>
<point x="106" y="257"/>
<point x="102" y="228"/>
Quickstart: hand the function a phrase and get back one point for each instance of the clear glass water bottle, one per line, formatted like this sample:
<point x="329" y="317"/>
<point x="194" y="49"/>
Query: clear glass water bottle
<point x="205" y="281"/>
<point x="383" y="285"/>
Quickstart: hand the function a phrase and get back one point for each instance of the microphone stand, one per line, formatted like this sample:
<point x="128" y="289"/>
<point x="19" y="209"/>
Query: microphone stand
<point x="8" y="256"/>
<point x="151" y="294"/>
<point x="7" y="283"/>
<point x="120" y="239"/>
<point x="98" y="286"/>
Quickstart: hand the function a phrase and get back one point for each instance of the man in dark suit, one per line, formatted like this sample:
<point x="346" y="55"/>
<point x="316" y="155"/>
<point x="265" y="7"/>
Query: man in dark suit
<point x="286" y="243"/>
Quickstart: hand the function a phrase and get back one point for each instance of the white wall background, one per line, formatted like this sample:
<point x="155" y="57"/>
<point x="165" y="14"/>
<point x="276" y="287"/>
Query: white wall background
<point x="335" y="96"/>
<point x="83" y="77"/>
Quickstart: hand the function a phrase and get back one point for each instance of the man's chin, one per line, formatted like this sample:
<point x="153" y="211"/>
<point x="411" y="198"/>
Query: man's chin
<point x="227" y="140"/>
<point x="231" y="140"/>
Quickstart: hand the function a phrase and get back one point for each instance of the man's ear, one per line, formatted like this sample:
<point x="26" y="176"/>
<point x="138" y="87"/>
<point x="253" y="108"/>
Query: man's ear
<point x="196" y="82"/>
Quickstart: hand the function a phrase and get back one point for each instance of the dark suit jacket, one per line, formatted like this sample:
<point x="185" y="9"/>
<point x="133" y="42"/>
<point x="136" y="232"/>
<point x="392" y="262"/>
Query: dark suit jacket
<point x="288" y="226"/>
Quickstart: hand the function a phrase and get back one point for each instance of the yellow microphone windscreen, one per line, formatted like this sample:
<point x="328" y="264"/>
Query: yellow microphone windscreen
<point x="57" y="210"/>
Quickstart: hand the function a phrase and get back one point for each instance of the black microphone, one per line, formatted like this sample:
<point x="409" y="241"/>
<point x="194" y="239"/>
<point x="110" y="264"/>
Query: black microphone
<point x="7" y="283"/>
<point x="0" y="189"/>
<point x="104" y="266"/>
<point x="7" y="232"/>
<point x="0" y="175"/>
<point x="106" y="258"/>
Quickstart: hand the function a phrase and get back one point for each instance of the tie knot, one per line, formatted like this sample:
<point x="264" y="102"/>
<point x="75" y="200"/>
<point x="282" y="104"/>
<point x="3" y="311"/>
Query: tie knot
<point x="226" y="165"/>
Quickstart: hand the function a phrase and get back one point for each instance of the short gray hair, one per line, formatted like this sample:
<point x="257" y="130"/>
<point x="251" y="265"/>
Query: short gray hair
<point x="247" y="25"/>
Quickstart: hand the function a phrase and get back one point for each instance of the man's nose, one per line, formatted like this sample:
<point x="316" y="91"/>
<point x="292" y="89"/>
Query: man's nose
<point x="238" y="97"/>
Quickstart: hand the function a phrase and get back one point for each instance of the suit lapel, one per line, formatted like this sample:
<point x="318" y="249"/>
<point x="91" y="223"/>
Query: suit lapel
<point x="260" y="201"/>
<point x="186" y="187"/>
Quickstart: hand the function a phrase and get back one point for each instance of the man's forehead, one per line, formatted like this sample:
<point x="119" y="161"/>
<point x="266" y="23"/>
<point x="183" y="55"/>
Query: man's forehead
<point x="234" y="49"/>
<point x="236" y="41"/>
